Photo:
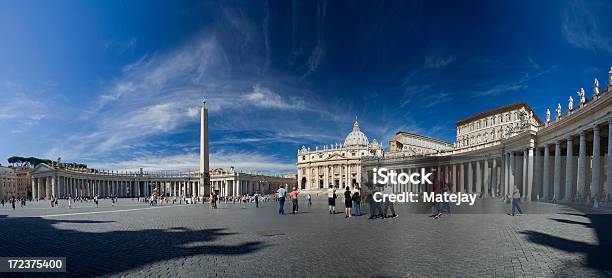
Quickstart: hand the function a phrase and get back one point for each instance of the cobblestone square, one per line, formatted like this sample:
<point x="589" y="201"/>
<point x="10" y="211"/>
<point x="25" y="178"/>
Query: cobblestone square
<point x="133" y="239"/>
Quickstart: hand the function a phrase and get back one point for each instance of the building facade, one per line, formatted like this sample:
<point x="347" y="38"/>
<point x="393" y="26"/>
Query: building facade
<point x="336" y="165"/>
<point x="568" y="158"/>
<point x="8" y="183"/>
<point x="495" y="125"/>
<point x="233" y="183"/>
<point x="410" y="144"/>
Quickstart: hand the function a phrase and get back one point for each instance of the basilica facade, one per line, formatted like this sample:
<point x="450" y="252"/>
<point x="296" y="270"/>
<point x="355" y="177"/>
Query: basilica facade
<point x="336" y="165"/>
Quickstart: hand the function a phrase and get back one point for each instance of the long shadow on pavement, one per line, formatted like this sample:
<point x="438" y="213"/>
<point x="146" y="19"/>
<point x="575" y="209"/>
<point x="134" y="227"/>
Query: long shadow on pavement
<point x="105" y="253"/>
<point x="598" y="255"/>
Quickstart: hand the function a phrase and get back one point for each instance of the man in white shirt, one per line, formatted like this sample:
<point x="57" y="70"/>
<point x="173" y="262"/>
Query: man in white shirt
<point x="281" y="199"/>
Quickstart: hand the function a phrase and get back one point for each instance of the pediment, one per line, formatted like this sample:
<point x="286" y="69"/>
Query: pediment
<point x="42" y="168"/>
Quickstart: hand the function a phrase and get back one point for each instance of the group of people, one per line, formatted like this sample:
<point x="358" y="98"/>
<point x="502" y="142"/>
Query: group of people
<point x="350" y="199"/>
<point x="12" y="200"/>
<point x="352" y="202"/>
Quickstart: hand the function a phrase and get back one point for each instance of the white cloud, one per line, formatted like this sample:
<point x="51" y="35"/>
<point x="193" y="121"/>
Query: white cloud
<point x="438" y="62"/>
<point x="264" y="97"/>
<point x="19" y="110"/>
<point x="585" y="29"/>
<point x="242" y="161"/>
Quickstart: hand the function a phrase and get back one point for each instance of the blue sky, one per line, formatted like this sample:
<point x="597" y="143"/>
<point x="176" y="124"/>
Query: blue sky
<point x="117" y="84"/>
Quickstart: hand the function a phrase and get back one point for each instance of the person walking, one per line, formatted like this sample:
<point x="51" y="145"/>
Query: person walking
<point x="294" y="200"/>
<point x="69" y="201"/>
<point x="13" y="202"/>
<point x="257" y="200"/>
<point x="309" y="198"/>
<point x="281" y="192"/>
<point x="331" y="199"/>
<point x="348" y="202"/>
<point x="516" y="201"/>
<point x="388" y="205"/>
<point x="357" y="201"/>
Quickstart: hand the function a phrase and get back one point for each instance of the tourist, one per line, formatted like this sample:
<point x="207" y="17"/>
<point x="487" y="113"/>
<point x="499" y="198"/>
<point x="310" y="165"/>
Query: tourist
<point x="357" y="201"/>
<point x="331" y="199"/>
<point x="2" y="201"/>
<point x="516" y="201"/>
<point x="294" y="200"/>
<point x="13" y="202"/>
<point x="256" y="200"/>
<point x="96" y="200"/>
<point x="69" y="201"/>
<point x="281" y="192"/>
<point x="388" y="205"/>
<point x="348" y="202"/>
<point x="309" y="198"/>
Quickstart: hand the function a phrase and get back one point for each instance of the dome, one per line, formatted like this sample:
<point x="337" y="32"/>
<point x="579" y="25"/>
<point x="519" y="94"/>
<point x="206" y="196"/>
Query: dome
<point x="356" y="137"/>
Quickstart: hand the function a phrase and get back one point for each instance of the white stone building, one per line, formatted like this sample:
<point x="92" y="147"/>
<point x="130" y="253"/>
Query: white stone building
<point x="494" y="125"/>
<point x="338" y="165"/>
<point x="410" y="144"/>
<point x="566" y="159"/>
<point x="234" y="183"/>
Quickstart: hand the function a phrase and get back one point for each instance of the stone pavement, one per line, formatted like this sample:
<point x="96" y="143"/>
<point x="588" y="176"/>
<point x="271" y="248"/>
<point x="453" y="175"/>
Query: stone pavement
<point x="135" y="240"/>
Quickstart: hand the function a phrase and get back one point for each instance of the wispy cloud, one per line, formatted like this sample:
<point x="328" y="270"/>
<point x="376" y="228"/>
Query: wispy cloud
<point x="264" y="97"/>
<point x="438" y="62"/>
<point x="517" y="85"/>
<point x="19" y="110"/>
<point x="584" y="28"/>
<point x="242" y="161"/>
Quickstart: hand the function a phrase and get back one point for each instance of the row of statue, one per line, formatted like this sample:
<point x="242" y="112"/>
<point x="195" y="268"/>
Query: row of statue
<point x="581" y="97"/>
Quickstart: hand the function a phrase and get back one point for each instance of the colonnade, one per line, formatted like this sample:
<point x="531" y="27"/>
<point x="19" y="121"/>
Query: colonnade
<point x="48" y="186"/>
<point x="482" y="175"/>
<point x="575" y="174"/>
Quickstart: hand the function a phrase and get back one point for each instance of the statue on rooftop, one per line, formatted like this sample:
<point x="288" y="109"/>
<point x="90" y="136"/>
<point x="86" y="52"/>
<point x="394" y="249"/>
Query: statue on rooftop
<point x="547" y="116"/>
<point x="570" y="104"/>
<point x="581" y="96"/>
<point x="610" y="79"/>
<point x="596" y="88"/>
<point x="558" y="110"/>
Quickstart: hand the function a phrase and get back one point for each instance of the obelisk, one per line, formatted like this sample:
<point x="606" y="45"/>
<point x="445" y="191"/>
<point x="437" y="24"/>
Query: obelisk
<point x="204" y="176"/>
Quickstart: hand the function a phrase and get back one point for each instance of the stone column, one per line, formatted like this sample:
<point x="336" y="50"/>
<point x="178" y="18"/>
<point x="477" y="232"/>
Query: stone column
<point x="53" y="185"/>
<point x="34" y="189"/>
<point x="470" y="174"/>
<point x="506" y="175"/>
<point x="503" y="179"/>
<point x="557" y="172"/>
<point x="596" y="174"/>
<point x="494" y="179"/>
<point x="486" y="179"/>
<point x="569" y="170"/>
<point x="478" y="178"/>
<point x="609" y="169"/>
<point x="582" y="167"/>
<point x="461" y="178"/>
<point x="511" y="173"/>
<point x="530" y="166"/>
<point x="537" y="174"/>
<point x="524" y="173"/>
<point x="546" y="174"/>
<point x="454" y="178"/>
